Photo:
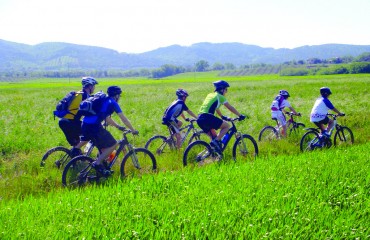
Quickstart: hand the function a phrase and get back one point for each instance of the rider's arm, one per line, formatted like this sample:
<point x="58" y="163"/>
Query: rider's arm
<point x="219" y="112"/>
<point x="191" y="113"/>
<point x="337" y="111"/>
<point x="293" y="110"/>
<point x="232" y="109"/>
<point x="126" y="121"/>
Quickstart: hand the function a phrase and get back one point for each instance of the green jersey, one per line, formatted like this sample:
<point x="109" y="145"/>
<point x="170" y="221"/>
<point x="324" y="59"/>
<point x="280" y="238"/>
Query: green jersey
<point x="212" y="102"/>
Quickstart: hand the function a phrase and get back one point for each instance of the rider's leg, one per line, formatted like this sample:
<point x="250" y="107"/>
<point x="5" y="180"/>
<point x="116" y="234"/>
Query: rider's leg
<point x="223" y="130"/>
<point x="330" y="125"/>
<point x="104" y="153"/>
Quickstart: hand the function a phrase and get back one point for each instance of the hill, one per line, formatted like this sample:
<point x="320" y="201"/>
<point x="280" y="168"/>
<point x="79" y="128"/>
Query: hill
<point x="62" y="56"/>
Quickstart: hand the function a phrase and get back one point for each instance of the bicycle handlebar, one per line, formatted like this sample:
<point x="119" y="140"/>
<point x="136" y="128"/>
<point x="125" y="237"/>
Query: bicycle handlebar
<point x="335" y="115"/>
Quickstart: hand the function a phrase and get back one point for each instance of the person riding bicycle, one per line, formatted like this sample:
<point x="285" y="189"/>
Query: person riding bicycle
<point x="71" y="123"/>
<point x="277" y="110"/>
<point x="208" y="122"/>
<point x="92" y="129"/>
<point x="176" y="109"/>
<point x="320" y="110"/>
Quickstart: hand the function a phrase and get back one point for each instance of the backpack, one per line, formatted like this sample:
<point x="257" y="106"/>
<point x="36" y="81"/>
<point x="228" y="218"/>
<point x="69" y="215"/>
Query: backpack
<point x="91" y="106"/>
<point x="276" y="104"/>
<point x="62" y="107"/>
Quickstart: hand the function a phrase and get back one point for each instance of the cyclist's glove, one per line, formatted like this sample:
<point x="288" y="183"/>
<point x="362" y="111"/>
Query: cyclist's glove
<point x="121" y="128"/>
<point x="187" y="119"/>
<point x="135" y="132"/>
<point x="225" y="118"/>
<point x="242" y="117"/>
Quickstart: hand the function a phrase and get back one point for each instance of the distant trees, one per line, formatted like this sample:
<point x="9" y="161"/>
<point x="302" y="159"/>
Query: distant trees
<point x="201" y="66"/>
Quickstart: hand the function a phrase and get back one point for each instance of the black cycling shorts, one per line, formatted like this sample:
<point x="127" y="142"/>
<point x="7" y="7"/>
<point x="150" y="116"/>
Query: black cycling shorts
<point x="208" y="121"/>
<point x="99" y="135"/>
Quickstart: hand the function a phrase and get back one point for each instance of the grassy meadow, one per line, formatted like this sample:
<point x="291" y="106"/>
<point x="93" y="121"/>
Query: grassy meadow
<point x="282" y="194"/>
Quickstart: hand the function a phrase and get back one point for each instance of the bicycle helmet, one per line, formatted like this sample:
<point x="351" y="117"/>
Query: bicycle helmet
<point x="181" y="93"/>
<point x="113" y="91"/>
<point x="88" y="81"/>
<point x="284" y="93"/>
<point x="220" y="84"/>
<point x="325" y="91"/>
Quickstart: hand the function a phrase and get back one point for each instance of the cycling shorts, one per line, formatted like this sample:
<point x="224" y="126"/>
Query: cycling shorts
<point x="324" y="121"/>
<point x="279" y="115"/>
<point x="99" y="135"/>
<point x="207" y="121"/>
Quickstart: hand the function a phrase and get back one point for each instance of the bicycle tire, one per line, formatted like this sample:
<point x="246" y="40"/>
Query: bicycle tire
<point x="57" y="154"/>
<point x="197" y="153"/>
<point x="158" y="145"/>
<point x="343" y="137"/>
<point x="309" y="141"/>
<point x="72" y="176"/>
<point x="268" y="133"/>
<point x="145" y="159"/>
<point x="245" y="147"/>
<point x="200" y="135"/>
<point x="296" y="130"/>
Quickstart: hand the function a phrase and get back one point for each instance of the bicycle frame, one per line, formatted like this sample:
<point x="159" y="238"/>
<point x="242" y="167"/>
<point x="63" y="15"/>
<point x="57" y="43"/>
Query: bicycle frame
<point x="190" y="128"/>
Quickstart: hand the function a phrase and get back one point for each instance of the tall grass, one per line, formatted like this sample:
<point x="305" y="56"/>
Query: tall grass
<point x="318" y="195"/>
<point x="29" y="128"/>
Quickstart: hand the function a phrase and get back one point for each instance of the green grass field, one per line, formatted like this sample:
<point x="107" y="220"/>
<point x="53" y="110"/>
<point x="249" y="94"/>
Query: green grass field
<point x="282" y="194"/>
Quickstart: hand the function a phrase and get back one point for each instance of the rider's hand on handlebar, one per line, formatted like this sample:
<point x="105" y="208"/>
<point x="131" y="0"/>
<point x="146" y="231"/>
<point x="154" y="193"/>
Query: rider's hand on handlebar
<point x="341" y="114"/>
<point x="225" y="118"/>
<point x="299" y="114"/>
<point x="135" y="132"/>
<point x="242" y="117"/>
<point x="187" y="119"/>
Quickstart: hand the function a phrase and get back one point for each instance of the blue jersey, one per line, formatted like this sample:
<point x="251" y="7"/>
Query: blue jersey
<point x="108" y="107"/>
<point x="174" y="110"/>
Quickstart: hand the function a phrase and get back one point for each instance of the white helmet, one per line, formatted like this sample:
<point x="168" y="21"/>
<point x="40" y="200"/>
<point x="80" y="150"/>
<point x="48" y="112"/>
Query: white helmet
<point x="88" y="81"/>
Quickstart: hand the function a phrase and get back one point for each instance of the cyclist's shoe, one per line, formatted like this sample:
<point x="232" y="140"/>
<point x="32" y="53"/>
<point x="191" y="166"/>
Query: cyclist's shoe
<point x="217" y="144"/>
<point x="75" y="152"/>
<point x="101" y="169"/>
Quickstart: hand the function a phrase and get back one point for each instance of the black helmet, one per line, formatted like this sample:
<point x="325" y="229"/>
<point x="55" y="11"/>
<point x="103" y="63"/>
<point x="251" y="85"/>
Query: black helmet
<point x="220" y="84"/>
<point x="325" y="91"/>
<point x="284" y="93"/>
<point x="86" y="81"/>
<point x="113" y="91"/>
<point x="181" y="93"/>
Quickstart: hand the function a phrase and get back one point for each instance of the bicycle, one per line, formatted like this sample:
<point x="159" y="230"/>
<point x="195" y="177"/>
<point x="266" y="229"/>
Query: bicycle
<point x="269" y="133"/>
<point x="159" y="144"/>
<point x="59" y="156"/>
<point x="200" y="152"/>
<point x="135" y="162"/>
<point x="312" y="140"/>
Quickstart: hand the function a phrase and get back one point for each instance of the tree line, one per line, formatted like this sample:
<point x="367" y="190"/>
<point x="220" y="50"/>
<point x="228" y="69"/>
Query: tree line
<point x="338" y="65"/>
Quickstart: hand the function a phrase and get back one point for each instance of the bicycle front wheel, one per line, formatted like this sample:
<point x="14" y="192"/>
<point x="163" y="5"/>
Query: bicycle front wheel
<point x="79" y="172"/>
<point x="245" y="148"/>
<point x="268" y="134"/>
<point x="197" y="154"/>
<point x="57" y="157"/>
<point x="158" y="145"/>
<point x="310" y="141"/>
<point x="343" y="137"/>
<point x="138" y="162"/>
<point x="296" y="129"/>
<point x="199" y="135"/>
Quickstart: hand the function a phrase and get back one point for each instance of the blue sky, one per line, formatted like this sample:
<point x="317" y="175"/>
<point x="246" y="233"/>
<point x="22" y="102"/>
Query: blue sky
<point x="137" y="26"/>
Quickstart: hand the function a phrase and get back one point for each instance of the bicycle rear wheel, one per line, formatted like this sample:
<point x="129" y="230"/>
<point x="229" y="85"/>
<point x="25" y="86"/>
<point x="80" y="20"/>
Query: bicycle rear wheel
<point x="198" y="153"/>
<point x="310" y="141"/>
<point x="79" y="172"/>
<point x="245" y="148"/>
<point x="57" y="157"/>
<point x="158" y="145"/>
<point x="268" y="134"/>
<point x="343" y="137"/>
<point x="138" y="162"/>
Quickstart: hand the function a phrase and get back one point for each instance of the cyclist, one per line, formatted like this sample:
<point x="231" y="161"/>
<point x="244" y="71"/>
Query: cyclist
<point x="277" y="109"/>
<point x="71" y="123"/>
<point x="208" y="122"/>
<point x="174" y="111"/>
<point x="320" y="110"/>
<point x="92" y="129"/>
